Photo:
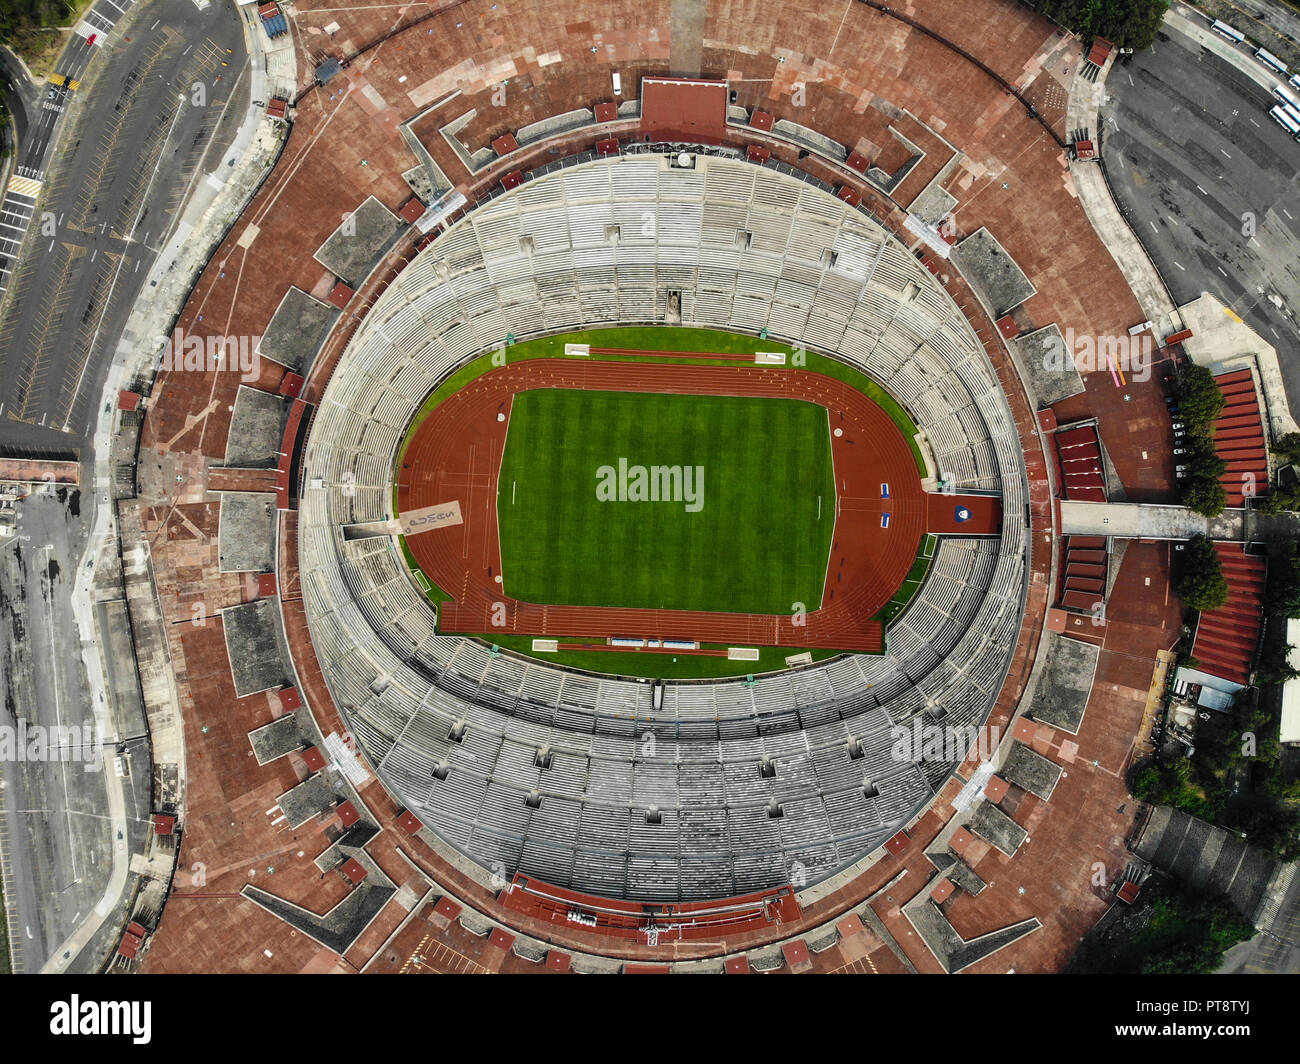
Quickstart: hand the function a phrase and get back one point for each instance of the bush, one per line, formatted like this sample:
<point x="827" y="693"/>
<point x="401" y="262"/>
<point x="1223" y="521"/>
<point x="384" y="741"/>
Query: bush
<point x="1172" y="785"/>
<point x="1288" y="448"/>
<point x="1280" y="499"/>
<point x="1172" y="930"/>
<point x="1200" y="583"/>
<point x="1282" y="592"/>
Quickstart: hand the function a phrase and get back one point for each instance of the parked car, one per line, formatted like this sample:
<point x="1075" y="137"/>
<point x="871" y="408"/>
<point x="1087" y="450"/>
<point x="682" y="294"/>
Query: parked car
<point x="1180" y="471"/>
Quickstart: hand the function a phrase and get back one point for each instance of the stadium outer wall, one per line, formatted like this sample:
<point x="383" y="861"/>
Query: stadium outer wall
<point x="450" y="367"/>
<point x="884" y="208"/>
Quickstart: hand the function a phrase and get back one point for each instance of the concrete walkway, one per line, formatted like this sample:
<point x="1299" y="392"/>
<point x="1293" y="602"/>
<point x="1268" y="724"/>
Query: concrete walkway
<point x="1145" y="521"/>
<point x="1083" y="112"/>
<point x="1152" y="521"/>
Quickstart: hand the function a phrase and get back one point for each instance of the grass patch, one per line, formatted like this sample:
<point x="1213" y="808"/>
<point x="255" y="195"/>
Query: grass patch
<point x="667" y="338"/>
<point x="752" y="537"/>
<point x="1172" y="930"/>
<point x="657" y="666"/>
<point x="913" y="581"/>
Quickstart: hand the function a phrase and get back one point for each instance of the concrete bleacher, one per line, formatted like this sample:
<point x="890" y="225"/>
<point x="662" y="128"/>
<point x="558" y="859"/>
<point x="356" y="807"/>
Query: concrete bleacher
<point x="358" y="242"/>
<point x="296" y="330"/>
<point x="256" y="429"/>
<point x="454" y="731"/>
<point x="246" y="532"/>
<point x="256" y="646"/>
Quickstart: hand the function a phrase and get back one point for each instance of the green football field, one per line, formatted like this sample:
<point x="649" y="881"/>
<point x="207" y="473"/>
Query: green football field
<point x="744" y="519"/>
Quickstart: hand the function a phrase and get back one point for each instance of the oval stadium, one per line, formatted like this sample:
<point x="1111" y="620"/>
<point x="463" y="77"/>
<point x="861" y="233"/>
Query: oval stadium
<point x="684" y="486"/>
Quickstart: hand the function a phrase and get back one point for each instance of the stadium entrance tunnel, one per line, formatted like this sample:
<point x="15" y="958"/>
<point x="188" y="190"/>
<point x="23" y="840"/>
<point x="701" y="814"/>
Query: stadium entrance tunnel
<point x="657" y="792"/>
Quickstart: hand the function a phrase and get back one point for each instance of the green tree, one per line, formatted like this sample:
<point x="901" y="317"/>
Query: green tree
<point x="1200" y="583"/>
<point x="1201" y="459"/>
<point x="1280" y="499"/>
<point x="1204" y="495"/>
<point x="1282" y="591"/>
<point x="1199" y="399"/>
<point x="21" y="17"/>
<point x="1172" y="930"/>
<point x="1127" y="23"/>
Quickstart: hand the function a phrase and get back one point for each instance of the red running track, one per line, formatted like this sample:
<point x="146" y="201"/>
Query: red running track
<point x="456" y="454"/>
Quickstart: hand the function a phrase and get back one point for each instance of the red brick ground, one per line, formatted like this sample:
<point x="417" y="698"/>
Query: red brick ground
<point x="865" y="77"/>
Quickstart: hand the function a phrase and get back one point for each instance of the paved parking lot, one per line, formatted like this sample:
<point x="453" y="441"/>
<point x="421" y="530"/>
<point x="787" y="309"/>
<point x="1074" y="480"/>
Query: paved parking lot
<point x="1208" y="181"/>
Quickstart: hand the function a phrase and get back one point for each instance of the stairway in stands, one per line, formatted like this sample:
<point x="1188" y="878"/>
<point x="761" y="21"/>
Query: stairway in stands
<point x="1085" y="567"/>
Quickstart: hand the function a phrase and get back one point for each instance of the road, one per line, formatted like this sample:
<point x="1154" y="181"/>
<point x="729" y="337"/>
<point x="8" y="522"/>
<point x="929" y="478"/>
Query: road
<point x="1207" y="180"/>
<point x="107" y="203"/>
<point x="1268" y="21"/>
<point x="56" y="840"/>
<point x="156" y="109"/>
<point x="48" y="104"/>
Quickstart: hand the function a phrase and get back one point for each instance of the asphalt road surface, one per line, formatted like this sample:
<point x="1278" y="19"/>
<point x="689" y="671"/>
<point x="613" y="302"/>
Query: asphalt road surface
<point x="133" y="146"/>
<point x="56" y="837"/>
<point x="157" y="107"/>
<point x="1208" y="182"/>
<point x="42" y="108"/>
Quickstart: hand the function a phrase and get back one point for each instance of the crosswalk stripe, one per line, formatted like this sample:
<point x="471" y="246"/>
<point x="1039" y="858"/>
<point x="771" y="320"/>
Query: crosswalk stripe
<point x="24" y="186"/>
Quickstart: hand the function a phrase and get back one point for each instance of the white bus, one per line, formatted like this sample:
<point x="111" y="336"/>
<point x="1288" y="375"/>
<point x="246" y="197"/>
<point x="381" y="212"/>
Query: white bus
<point x="1224" y="30"/>
<point x="1294" y="81"/>
<point x="1286" y="97"/>
<point x="1270" y="60"/>
<point x="1285" y="121"/>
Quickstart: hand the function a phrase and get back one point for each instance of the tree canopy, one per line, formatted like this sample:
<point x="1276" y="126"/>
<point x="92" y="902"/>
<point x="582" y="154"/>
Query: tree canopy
<point x="1199" y="399"/>
<point x="1200" y="583"/>
<point x="1173" y="930"/>
<point x="1205" y="495"/>
<point x="18" y="17"/>
<point x="1126" y="23"/>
